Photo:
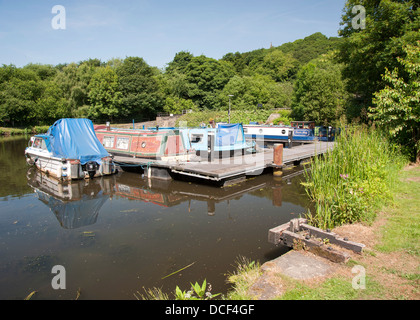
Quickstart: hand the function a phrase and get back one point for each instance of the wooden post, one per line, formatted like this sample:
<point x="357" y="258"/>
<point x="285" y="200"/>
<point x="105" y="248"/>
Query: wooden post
<point x="278" y="154"/>
<point x="278" y="159"/>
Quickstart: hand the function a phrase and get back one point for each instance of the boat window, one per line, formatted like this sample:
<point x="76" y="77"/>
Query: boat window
<point x="43" y="145"/>
<point x="108" y="142"/>
<point x="196" y="138"/>
<point x="40" y="144"/>
<point x="37" y="143"/>
<point x="122" y="143"/>
<point x="283" y="131"/>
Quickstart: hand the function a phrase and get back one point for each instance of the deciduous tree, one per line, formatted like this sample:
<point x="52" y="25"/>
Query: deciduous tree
<point x="366" y="53"/>
<point x="397" y="106"/>
<point x="104" y="95"/>
<point x="319" y="93"/>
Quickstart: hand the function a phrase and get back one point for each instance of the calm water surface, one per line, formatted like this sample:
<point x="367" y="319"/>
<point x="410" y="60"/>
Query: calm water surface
<point x="118" y="235"/>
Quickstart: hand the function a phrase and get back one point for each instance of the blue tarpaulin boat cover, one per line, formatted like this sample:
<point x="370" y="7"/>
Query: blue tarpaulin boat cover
<point x="75" y="139"/>
<point x="227" y="134"/>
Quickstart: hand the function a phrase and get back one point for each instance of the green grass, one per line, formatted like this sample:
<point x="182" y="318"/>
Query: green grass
<point x="402" y="231"/>
<point x="247" y="272"/>
<point x="335" y="288"/>
<point x="22" y="131"/>
<point x="358" y="176"/>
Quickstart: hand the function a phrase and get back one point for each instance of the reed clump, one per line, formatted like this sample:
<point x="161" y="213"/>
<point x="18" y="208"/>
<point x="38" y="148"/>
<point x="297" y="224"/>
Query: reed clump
<point x="349" y="183"/>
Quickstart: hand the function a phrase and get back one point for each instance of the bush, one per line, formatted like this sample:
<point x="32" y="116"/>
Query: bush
<point x="40" y="129"/>
<point x="238" y="116"/>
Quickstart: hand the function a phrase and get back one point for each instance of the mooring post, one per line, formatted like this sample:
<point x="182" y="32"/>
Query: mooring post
<point x="278" y="159"/>
<point x="290" y="139"/>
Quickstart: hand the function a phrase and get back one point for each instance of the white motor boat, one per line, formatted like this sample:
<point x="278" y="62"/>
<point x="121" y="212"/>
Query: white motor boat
<point x="70" y="150"/>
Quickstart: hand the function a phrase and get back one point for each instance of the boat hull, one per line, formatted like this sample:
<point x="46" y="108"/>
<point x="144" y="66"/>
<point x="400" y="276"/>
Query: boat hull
<point x="67" y="169"/>
<point x="304" y="135"/>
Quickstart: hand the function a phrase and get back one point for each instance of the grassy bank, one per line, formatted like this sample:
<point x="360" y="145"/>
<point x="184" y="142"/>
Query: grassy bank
<point x="350" y="182"/>
<point x="390" y="259"/>
<point x="22" y="131"/>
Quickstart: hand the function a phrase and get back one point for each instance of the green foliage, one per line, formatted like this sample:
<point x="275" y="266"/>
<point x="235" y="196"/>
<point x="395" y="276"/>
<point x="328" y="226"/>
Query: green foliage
<point x="402" y="230"/>
<point x="206" y="77"/>
<point x="309" y="48"/>
<point x="52" y="104"/>
<point x="73" y="80"/>
<point x="139" y="86"/>
<point x="197" y="292"/>
<point x="319" y="93"/>
<point x="39" y="129"/>
<point x="180" y="62"/>
<point x="285" y="118"/>
<point x="20" y="90"/>
<point x="177" y="105"/>
<point x="398" y="104"/>
<point x="287" y="58"/>
<point x="350" y="181"/>
<point x="366" y="53"/>
<point x="245" y="275"/>
<point x="195" y="119"/>
<point x="122" y="89"/>
<point x="276" y="64"/>
<point x="105" y="98"/>
<point x="249" y="91"/>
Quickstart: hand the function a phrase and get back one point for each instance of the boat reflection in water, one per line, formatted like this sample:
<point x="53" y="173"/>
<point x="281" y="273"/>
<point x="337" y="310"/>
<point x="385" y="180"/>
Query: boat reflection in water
<point x="75" y="204"/>
<point x="78" y="203"/>
<point x="171" y="193"/>
<point x="120" y="233"/>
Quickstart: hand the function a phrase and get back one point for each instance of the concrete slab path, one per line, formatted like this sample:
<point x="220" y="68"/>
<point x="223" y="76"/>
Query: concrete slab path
<point x="293" y="264"/>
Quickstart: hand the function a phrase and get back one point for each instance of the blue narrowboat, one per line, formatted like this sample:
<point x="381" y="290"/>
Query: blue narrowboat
<point x="304" y="131"/>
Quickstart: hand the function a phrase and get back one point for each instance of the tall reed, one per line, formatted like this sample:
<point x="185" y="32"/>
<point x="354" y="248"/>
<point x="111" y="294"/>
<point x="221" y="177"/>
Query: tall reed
<point x="357" y="176"/>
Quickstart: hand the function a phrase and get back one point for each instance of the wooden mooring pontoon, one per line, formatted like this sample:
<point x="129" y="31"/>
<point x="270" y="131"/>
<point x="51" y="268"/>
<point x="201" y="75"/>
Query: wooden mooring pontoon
<point x="227" y="169"/>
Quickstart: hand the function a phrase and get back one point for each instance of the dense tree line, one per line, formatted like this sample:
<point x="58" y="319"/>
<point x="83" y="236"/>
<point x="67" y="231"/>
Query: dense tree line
<point x="367" y="74"/>
<point x="125" y="89"/>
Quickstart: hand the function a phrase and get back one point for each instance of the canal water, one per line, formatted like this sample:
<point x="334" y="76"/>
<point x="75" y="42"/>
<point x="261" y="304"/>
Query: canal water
<point x="117" y="236"/>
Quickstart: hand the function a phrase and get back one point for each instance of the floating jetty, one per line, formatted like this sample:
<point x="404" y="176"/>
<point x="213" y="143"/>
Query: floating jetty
<point x="225" y="170"/>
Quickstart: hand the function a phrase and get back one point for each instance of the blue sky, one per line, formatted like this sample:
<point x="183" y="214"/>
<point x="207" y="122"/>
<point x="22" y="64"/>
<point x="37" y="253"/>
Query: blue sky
<point x="156" y="30"/>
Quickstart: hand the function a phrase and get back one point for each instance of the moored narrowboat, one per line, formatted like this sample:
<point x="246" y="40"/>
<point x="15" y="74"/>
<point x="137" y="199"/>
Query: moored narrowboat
<point x="174" y="143"/>
<point x="269" y="134"/>
<point x="303" y="131"/>
<point x="225" y="140"/>
<point x="143" y="143"/>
